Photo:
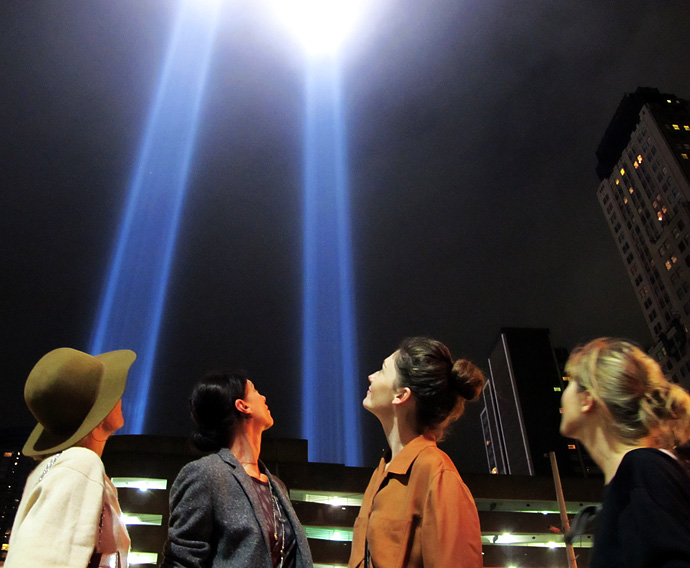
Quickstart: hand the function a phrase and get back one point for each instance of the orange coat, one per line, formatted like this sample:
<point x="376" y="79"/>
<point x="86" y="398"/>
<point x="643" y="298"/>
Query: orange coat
<point x="418" y="513"/>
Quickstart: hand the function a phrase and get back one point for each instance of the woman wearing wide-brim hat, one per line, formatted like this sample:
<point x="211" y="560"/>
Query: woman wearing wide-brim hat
<point x="69" y="515"/>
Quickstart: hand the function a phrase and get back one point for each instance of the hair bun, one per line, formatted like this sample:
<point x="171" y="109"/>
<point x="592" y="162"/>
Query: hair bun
<point x="467" y="379"/>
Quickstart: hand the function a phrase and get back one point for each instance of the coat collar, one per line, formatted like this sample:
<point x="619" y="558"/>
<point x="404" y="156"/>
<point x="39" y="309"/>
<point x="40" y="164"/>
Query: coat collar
<point x="228" y="457"/>
<point x="245" y="481"/>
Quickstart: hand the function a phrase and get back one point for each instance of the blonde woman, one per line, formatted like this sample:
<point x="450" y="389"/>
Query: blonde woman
<point x="629" y="417"/>
<point x="417" y="512"/>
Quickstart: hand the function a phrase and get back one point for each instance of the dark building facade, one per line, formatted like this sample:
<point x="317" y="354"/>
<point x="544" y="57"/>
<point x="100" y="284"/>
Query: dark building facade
<point x="522" y="411"/>
<point x="644" y="192"/>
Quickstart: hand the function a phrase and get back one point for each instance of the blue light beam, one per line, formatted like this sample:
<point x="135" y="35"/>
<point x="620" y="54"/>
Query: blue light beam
<point x="331" y="397"/>
<point x="133" y="299"/>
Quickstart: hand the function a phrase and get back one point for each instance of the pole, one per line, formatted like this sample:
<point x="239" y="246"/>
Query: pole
<point x="565" y="523"/>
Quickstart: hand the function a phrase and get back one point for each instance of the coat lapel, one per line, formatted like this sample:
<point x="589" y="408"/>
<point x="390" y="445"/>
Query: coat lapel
<point x="247" y="485"/>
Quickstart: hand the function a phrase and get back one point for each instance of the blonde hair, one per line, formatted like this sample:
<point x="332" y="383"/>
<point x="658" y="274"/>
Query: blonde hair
<point x="631" y="387"/>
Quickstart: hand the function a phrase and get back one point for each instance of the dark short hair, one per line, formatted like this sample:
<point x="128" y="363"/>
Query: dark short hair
<point x="212" y="405"/>
<point x="440" y="386"/>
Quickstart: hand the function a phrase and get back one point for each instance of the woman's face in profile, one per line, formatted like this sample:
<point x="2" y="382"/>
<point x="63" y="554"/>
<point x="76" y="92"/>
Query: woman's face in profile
<point x="571" y="404"/>
<point x="383" y="384"/>
<point x="257" y="403"/>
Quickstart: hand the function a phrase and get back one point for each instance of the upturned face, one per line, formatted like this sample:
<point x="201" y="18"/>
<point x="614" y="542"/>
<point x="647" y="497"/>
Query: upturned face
<point x="383" y="385"/>
<point x="257" y="405"/>
<point x="572" y="415"/>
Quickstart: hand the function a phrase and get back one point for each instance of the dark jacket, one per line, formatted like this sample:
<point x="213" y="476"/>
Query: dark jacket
<point x="645" y="518"/>
<point x="215" y="517"/>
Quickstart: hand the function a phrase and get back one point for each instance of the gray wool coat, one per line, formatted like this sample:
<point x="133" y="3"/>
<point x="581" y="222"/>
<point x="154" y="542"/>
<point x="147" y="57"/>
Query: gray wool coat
<point x="215" y="517"/>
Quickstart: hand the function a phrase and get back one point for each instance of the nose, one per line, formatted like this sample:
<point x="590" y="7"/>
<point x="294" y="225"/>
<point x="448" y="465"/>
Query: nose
<point x="371" y="377"/>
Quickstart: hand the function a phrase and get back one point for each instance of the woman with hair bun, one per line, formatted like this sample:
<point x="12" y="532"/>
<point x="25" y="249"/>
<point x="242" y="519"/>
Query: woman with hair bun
<point x="226" y="509"/>
<point x="417" y="512"/>
<point x="630" y="418"/>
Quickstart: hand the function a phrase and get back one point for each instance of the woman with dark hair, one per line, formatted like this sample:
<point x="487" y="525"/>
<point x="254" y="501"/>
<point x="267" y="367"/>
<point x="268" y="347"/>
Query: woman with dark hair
<point x="629" y="417"/>
<point x="226" y="509"/>
<point x="417" y="512"/>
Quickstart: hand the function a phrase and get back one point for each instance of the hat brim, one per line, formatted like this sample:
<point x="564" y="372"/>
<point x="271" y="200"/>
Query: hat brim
<point x="116" y="366"/>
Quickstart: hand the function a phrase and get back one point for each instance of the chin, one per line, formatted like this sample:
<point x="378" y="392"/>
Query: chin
<point x="566" y="431"/>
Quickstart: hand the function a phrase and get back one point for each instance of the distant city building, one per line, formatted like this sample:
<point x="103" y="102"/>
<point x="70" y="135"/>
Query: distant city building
<point x="522" y="412"/>
<point x="644" y="191"/>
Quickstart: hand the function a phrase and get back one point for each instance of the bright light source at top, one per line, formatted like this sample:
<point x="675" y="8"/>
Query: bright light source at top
<point x="320" y="25"/>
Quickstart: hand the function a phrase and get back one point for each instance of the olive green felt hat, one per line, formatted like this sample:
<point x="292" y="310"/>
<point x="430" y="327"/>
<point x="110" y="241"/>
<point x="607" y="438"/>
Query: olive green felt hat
<point x="70" y="393"/>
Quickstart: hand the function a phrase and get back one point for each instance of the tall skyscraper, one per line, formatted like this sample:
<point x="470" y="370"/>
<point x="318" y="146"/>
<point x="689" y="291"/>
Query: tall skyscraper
<point x="521" y="413"/>
<point x="644" y="191"/>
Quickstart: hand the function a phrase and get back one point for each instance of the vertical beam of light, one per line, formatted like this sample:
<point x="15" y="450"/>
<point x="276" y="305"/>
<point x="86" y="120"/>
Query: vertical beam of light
<point x="132" y="303"/>
<point x="331" y="397"/>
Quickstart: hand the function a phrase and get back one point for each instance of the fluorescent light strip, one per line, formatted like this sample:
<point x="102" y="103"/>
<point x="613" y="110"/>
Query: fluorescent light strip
<point x="140" y="483"/>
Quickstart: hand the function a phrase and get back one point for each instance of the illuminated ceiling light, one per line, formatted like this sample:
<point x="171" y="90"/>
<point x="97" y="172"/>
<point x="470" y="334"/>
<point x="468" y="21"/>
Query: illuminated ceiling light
<point x="505" y="538"/>
<point x="327" y="498"/>
<point x="142" y="519"/>
<point x="136" y="558"/>
<point x="325" y="533"/>
<point x="320" y="25"/>
<point x="140" y="483"/>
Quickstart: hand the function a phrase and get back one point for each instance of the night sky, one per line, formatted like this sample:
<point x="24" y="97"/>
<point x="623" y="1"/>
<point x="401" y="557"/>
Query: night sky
<point x="472" y="127"/>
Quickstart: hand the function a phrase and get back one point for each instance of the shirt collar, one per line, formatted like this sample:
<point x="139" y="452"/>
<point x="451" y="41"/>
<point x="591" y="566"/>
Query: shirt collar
<point x="402" y="462"/>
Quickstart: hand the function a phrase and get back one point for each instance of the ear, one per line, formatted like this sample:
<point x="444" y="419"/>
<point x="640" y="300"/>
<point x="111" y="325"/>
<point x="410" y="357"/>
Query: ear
<point x="404" y="394"/>
<point x="587" y="402"/>
<point x="242" y="407"/>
